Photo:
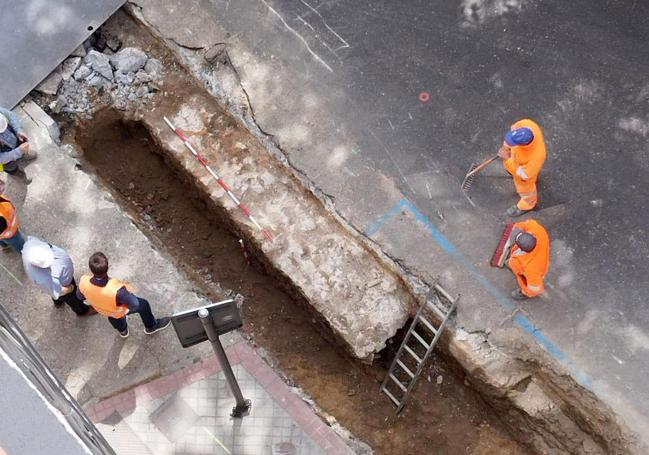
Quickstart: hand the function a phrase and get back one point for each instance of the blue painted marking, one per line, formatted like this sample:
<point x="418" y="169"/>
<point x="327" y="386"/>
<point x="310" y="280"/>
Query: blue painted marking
<point x="448" y="246"/>
<point x="376" y="225"/>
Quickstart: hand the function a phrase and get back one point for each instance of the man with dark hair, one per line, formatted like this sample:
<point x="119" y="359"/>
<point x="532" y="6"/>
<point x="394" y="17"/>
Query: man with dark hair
<point x="114" y="298"/>
<point x="10" y="236"/>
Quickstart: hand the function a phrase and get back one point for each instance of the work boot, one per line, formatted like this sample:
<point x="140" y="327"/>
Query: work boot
<point x="160" y="324"/>
<point x="5" y="248"/>
<point x="514" y="211"/>
<point x="517" y="294"/>
<point x="124" y="334"/>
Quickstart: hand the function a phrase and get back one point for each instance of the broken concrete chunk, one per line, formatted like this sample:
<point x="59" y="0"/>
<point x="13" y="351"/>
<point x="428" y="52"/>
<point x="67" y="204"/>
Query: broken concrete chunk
<point x="143" y="77"/>
<point x="39" y="116"/>
<point x="58" y="104"/>
<point x="113" y="43"/>
<point x="142" y="90"/>
<point x="51" y="84"/>
<point x="79" y="52"/>
<point x="123" y="79"/>
<point x="98" y="81"/>
<point x="69" y="66"/>
<point x="129" y="59"/>
<point x="100" y="63"/>
<point x="153" y="67"/>
<point x="82" y="73"/>
<point x="215" y="53"/>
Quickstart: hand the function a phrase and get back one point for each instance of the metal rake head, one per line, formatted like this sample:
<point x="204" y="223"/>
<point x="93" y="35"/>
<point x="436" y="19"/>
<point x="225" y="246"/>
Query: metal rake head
<point x="468" y="180"/>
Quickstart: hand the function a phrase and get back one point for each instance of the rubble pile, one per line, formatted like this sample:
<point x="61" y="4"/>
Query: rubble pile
<point x="101" y="67"/>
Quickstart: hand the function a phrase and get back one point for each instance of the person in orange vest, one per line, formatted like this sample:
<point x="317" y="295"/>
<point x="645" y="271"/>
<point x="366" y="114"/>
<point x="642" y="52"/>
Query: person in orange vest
<point x="529" y="258"/>
<point x="523" y="153"/>
<point x="114" y="298"/>
<point x="10" y="236"/>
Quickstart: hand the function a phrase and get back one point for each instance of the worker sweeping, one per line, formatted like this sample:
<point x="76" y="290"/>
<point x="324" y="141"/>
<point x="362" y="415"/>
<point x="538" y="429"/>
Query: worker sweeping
<point x="529" y="258"/>
<point x="523" y="153"/>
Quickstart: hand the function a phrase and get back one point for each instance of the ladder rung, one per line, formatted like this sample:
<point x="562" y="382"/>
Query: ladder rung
<point x="394" y="400"/>
<point x="394" y="378"/>
<point x="436" y="309"/>
<point x="428" y="324"/>
<point x="412" y="353"/>
<point x="441" y="290"/>
<point x="420" y="339"/>
<point x="405" y="368"/>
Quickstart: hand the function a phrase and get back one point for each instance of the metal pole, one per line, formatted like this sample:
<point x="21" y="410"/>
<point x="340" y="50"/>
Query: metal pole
<point x="243" y="405"/>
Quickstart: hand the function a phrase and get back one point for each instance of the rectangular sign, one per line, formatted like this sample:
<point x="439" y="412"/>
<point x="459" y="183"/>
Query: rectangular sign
<point x="225" y="317"/>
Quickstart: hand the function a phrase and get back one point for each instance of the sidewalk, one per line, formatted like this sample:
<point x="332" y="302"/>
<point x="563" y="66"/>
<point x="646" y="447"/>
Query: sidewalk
<point x="67" y="207"/>
<point x="188" y="412"/>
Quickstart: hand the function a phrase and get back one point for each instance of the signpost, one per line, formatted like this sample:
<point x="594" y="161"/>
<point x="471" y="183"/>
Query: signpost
<point x="207" y="323"/>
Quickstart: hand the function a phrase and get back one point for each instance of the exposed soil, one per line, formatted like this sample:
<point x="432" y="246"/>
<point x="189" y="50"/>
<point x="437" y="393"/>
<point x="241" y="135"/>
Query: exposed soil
<point x="446" y="418"/>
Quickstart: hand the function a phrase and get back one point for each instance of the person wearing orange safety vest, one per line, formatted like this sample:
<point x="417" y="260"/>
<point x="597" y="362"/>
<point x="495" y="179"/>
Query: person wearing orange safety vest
<point x="529" y="258"/>
<point x="10" y="236"/>
<point x="113" y="298"/>
<point x="523" y="153"/>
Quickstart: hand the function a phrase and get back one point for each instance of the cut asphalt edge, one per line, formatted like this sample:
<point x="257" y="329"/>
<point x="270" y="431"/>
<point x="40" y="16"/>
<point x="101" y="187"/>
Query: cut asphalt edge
<point x="521" y="320"/>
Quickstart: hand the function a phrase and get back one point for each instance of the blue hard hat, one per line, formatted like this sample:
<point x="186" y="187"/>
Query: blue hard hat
<point x="519" y="136"/>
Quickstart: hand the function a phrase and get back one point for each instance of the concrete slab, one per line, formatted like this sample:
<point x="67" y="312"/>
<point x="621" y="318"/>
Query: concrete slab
<point x="37" y="35"/>
<point x="337" y="85"/>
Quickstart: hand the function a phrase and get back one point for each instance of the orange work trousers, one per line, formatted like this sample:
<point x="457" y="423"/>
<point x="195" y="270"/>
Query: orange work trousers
<point x="526" y="190"/>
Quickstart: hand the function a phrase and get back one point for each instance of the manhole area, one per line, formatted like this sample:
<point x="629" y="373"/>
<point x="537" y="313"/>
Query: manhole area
<point x="170" y="211"/>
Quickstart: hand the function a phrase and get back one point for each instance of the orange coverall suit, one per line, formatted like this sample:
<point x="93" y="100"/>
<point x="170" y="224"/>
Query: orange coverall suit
<point x="530" y="268"/>
<point x="525" y="164"/>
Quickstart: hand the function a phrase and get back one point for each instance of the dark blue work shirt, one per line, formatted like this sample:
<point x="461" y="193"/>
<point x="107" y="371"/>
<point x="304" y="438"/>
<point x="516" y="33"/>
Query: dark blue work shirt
<point x="124" y="297"/>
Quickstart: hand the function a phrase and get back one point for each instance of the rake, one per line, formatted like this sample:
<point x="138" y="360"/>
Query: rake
<point x="470" y="176"/>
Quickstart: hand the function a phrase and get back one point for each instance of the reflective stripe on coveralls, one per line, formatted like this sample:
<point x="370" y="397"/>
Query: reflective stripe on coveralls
<point x="525" y="164"/>
<point x="530" y="268"/>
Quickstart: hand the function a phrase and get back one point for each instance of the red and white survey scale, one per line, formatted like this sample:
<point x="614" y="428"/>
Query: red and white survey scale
<point x="201" y="159"/>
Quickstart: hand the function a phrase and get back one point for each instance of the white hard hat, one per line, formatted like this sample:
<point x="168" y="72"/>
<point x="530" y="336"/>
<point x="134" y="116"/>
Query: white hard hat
<point x="3" y="123"/>
<point x="40" y="256"/>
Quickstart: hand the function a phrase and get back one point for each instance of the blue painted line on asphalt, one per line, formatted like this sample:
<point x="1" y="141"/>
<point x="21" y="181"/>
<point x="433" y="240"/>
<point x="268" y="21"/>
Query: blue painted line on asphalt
<point x="522" y="321"/>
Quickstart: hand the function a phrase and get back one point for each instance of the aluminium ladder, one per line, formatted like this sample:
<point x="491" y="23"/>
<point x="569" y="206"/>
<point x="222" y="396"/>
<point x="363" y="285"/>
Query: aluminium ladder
<point x="417" y="346"/>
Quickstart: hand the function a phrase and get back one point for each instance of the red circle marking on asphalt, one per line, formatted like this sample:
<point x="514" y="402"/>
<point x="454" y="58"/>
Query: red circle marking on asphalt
<point x="424" y="96"/>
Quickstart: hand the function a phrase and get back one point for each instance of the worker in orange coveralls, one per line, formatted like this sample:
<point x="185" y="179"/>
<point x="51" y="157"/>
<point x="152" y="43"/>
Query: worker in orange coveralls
<point x="523" y="153"/>
<point x="529" y="258"/>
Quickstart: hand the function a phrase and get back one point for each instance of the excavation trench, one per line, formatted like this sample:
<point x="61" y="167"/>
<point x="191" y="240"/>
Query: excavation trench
<point x="444" y="415"/>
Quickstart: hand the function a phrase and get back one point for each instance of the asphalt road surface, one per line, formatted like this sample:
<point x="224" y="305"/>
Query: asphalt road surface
<point x="382" y="100"/>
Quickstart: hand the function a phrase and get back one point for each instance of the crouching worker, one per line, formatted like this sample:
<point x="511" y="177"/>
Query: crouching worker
<point x="14" y="144"/>
<point x="10" y="236"/>
<point x="529" y="258"/>
<point x="113" y="298"/>
<point x="51" y="268"/>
